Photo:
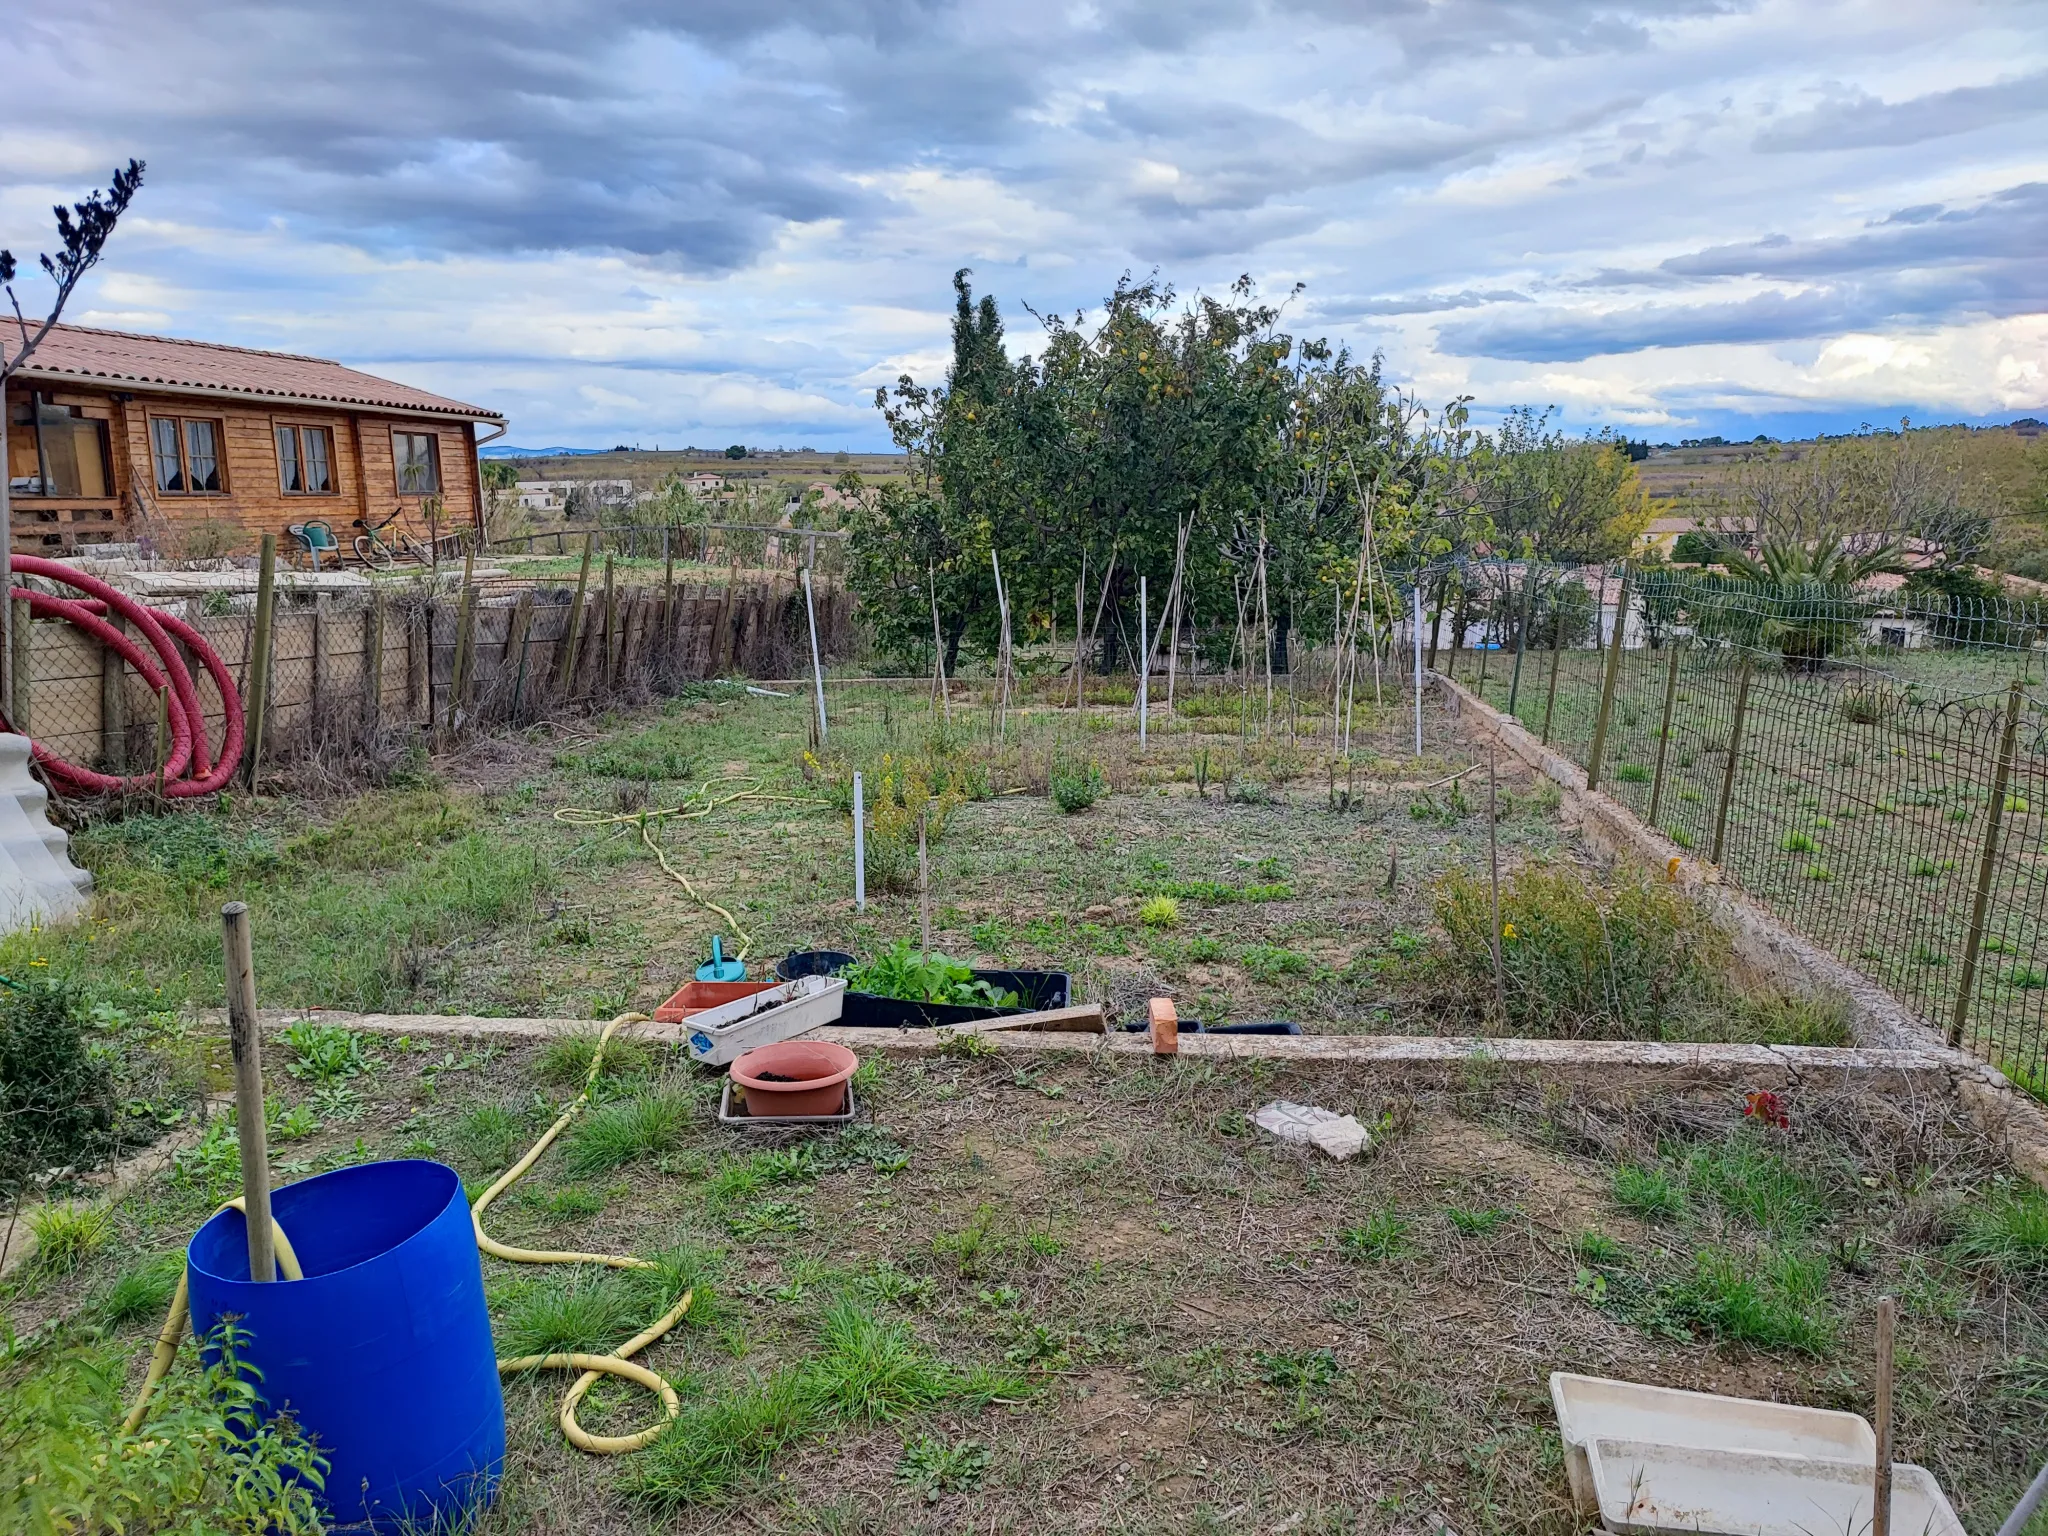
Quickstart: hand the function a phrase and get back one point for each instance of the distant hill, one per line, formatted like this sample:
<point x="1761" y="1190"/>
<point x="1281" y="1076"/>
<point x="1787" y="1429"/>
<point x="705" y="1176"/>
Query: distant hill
<point x="503" y="451"/>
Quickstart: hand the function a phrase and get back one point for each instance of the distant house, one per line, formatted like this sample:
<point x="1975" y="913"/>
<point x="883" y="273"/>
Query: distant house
<point x="704" y="484"/>
<point x="1663" y="532"/>
<point x="112" y="436"/>
<point x="574" y="497"/>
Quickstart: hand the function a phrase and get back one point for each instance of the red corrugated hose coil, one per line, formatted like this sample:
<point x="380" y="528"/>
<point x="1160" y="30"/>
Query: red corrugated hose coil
<point x="191" y="768"/>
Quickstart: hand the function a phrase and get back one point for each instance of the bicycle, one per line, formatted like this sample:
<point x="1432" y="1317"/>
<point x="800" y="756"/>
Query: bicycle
<point x="373" y="551"/>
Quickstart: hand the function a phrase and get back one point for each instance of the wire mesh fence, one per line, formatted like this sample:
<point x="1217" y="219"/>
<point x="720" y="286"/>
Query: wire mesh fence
<point x="692" y="551"/>
<point x="1871" y="766"/>
<point x="363" y="670"/>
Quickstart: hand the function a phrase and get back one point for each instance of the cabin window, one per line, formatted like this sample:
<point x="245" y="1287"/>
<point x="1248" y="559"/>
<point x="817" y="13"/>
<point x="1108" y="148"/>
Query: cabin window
<point x="55" y="450"/>
<point x="304" y="459"/>
<point x="186" y="453"/>
<point x="419" y="473"/>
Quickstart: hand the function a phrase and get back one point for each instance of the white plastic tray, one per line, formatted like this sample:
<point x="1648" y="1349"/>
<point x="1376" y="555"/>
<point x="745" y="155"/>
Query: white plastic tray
<point x="717" y="1036"/>
<point x="1595" y="1407"/>
<point x="1649" y="1489"/>
<point x="732" y="1110"/>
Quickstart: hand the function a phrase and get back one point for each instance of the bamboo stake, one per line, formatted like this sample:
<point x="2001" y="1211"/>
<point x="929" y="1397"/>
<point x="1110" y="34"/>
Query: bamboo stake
<point x="611" y="620"/>
<point x="1881" y="1492"/>
<point x="162" y="750"/>
<point x="1973" y="947"/>
<point x="1500" y="984"/>
<point x="1663" y="737"/>
<point x="817" y="664"/>
<point x="246" y="1046"/>
<point x="924" y="884"/>
<point x="373" y="624"/>
<point x="860" y="845"/>
<point x="939" y="650"/>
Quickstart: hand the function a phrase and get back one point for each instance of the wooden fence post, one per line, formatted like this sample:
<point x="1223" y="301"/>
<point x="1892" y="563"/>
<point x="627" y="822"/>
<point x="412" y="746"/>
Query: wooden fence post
<point x="609" y="671"/>
<point x="258" y="697"/>
<point x="1974" y="948"/>
<point x="373" y="667"/>
<point x="566" y="667"/>
<point x="1664" y="737"/>
<point x="517" y="635"/>
<point x="465" y="642"/>
<point x="1607" y="685"/>
<point x="21" y="666"/>
<point x="316" y="702"/>
<point x="1728" y="773"/>
<point x="114" y="704"/>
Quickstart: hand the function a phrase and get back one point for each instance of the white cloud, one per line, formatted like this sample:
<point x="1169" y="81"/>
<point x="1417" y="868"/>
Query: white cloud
<point x="618" y="223"/>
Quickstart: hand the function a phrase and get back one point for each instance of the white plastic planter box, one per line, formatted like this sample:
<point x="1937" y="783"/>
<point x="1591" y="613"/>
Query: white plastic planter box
<point x="38" y="881"/>
<point x="1650" y="1489"/>
<point x="1594" y="1407"/>
<point x="719" y="1035"/>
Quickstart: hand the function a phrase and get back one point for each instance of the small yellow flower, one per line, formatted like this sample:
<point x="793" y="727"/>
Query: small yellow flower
<point x="1507" y="930"/>
<point x="39" y="961"/>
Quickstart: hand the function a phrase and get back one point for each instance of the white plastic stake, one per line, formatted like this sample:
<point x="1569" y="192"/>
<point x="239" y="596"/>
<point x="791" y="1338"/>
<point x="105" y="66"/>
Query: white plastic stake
<point x="860" y="846"/>
<point x="1144" y="663"/>
<point x="817" y="667"/>
<point x="1418" y="666"/>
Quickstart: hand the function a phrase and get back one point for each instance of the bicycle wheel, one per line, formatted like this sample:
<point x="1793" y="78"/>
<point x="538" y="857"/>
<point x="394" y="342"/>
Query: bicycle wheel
<point x="373" y="552"/>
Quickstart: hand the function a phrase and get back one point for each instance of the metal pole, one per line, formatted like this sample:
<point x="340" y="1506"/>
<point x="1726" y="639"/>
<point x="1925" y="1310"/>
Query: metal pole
<point x="1556" y="650"/>
<point x="860" y="846"/>
<point x="1728" y="773"/>
<point x="1607" y="686"/>
<point x="1418" y="666"/>
<point x="2030" y="1501"/>
<point x="1664" y="737"/>
<point x="1967" y="982"/>
<point x="246" y="1045"/>
<point x="1522" y="633"/>
<point x="259" y="663"/>
<point x="817" y="665"/>
<point x="1144" y="662"/>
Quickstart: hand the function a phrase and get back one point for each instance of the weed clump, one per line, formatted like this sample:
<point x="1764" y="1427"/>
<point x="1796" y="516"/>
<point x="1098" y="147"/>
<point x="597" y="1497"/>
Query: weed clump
<point x="56" y="1094"/>
<point x="1076" y="785"/>
<point x="1578" y="961"/>
<point x="645" y="1125"/>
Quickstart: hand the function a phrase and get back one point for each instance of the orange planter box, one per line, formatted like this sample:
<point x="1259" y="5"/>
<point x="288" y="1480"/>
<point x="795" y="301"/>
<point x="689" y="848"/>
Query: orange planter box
<point x="696" y="996"/>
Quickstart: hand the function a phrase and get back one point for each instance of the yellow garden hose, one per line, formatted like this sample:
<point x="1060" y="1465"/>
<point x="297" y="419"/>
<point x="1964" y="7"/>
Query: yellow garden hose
<point x="591" y="1367"/>
<point x="175" y="1322"/>
<point x="580" y="816"/>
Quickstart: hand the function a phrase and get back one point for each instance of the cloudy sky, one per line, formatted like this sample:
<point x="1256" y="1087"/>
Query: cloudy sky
<point x="730" y="220"/>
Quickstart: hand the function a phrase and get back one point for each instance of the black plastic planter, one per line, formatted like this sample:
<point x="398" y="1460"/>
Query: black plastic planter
<point x="864" y="1010"/>
<point x="1197" y="1027"/>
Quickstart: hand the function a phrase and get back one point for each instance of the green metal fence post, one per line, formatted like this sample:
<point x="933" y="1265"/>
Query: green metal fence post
<point x="1556" y="651"/>
<point x="1664" y="737"/>
<point x="1522" y="633"/>
<point x="1607" y="683"/>
<point x="1967" y="982"/>
<point x="1728" y="773"/>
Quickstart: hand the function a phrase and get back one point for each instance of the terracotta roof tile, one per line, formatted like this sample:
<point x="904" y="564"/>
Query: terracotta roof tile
<point x="116" y="357"/>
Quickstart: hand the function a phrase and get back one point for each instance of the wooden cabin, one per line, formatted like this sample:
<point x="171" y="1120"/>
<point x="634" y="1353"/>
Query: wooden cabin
<point x="197" y="449"/>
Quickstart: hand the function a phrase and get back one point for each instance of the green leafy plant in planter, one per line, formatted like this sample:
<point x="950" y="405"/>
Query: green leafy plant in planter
<point x="904" y="972"/>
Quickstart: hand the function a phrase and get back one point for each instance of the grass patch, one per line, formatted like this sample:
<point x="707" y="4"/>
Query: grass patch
<point x="1774" y="1299"/>
<point x="1743" y="1178"/>
<point x="2005" y="1233"/>
<point x="1650" y="1193"/>
<point x="1475" y="1222"/>
<point x="1382" y="1235"/>
<point x="565" y="1061"/>
<point x="611" y="1135"/>
<point x="579" y="1312"/>
<point x="68" y="1233"/>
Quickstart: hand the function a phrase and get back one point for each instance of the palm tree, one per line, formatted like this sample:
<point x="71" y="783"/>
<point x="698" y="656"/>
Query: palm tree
<point x="1810" y="610"/>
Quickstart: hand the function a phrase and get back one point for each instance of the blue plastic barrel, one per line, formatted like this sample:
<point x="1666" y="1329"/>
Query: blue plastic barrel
<point x="383" y="1352"/>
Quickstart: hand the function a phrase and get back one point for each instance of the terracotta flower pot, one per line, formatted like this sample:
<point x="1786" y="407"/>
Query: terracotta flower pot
<point x="795" y="1078"/>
